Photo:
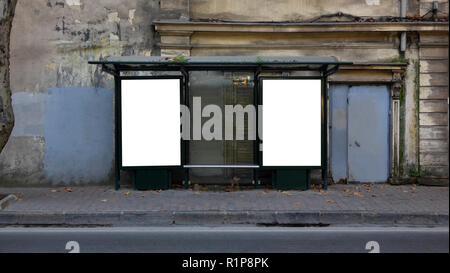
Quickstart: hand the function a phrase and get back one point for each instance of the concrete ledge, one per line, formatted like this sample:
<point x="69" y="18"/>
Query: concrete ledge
<point x="4" y="202"/>
<point x="168" y="218"/>
<point x="442" y="182"/>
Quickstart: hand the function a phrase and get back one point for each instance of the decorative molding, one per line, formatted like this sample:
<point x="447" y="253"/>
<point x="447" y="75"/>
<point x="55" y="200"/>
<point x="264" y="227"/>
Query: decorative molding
<point x="397" y="84"/>
<point x="176" y="25"/>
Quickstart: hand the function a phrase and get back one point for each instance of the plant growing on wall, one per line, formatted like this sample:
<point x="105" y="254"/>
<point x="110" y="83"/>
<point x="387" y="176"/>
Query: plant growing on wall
<point x="180" y="58"/>
<point x="7" y="8"/>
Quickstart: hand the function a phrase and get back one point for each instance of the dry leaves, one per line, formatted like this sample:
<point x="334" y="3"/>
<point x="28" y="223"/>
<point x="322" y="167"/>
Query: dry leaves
<point x="104" y="200"/>
<point x="67" y="189"/>
<point x="266" y="191"/>
<point x="358" y="194"/>
<point x="331" y="201"/>
<point x="296" y="204"/>
<point x="127" y="193"/>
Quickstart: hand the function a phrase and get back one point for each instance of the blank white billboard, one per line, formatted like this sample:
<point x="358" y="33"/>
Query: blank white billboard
<point x="151" y="122"/>
<point x="291" y="124"/>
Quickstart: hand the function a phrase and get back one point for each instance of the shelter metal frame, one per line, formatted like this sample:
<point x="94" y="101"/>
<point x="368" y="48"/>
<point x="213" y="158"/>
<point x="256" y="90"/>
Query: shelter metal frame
<point x="325" y="66"/>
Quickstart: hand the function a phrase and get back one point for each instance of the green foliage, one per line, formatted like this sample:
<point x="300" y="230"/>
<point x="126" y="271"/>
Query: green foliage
<point x="179" y="59"/>
<point x="415" y="172"/>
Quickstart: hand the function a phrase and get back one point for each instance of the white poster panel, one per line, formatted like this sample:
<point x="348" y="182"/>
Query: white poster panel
<point x="291" y="125"/>
<point x="151" y="122"/>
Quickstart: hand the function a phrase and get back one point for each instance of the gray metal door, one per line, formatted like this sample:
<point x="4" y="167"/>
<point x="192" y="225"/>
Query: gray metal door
<point x="359" y="138"/>
<point x="368" y="133"/>
<point x="338" y="135"/>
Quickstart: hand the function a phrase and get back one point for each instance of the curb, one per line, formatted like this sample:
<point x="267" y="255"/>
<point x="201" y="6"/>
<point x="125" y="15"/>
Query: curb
<point x="205" y="218"/>
<point x="4" y="202"/>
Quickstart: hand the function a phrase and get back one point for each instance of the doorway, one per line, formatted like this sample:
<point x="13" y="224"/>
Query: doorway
<point x="359" y="133"/>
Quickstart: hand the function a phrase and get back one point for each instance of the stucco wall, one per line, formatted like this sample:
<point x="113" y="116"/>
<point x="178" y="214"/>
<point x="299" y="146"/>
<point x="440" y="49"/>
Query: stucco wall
<point x="288" y="10"/>
<point x="64" y="107"/>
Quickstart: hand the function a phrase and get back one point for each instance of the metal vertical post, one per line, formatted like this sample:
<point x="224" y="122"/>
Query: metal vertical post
<point x="117" y="128"/>
<point x="185" y="149"/>
<point x="257" y="141"/>
<point x="324" y="133"/>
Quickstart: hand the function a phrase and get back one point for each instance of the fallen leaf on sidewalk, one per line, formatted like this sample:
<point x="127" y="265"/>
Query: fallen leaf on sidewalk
<point x="405" y="191"/>
<point x="241" y="196"/>
<point x="266" y="191"/>
<point x="367" y="185"/>
<point x="104" y="200"/>
<point x="374" y="195"/>
<point x="368" y="190"/>
<point x="197" y="192"/>
<point x="297" y="204"/>
<point x="346" y="190"/>
<point x="358" y="194"/>
<point x="54" y="190"/>
<point x="67" y="189"/>
<point x="127" y="193"/>
<point x="19" y="199"/>
<point x="330" y="201"/>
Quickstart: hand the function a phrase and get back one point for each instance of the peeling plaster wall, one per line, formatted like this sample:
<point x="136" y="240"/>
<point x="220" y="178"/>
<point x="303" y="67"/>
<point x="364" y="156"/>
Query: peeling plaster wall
<point x="292" y="10"/>
<point x="63" y="132"/>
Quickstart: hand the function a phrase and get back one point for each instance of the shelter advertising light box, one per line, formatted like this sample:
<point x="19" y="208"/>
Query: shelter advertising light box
<point x="150" y="122"/>
<point x="291" y="124"/>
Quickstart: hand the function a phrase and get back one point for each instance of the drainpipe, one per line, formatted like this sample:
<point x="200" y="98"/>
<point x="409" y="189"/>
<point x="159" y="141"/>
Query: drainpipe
<point x="403" y="34"/>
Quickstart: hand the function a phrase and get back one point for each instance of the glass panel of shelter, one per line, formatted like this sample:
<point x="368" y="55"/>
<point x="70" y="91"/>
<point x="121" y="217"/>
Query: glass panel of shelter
<point x="220" y="88"/>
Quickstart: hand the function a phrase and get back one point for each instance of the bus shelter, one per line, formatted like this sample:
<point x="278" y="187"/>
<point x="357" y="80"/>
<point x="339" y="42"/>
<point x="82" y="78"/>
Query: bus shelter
<point x="288" y="122"/>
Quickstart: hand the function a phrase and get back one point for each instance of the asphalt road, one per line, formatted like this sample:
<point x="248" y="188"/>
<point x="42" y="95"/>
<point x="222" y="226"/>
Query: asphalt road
<point x="242" y="239"/>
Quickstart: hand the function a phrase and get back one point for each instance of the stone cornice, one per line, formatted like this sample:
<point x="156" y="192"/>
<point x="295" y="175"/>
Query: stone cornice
<point x="179" y="26"/>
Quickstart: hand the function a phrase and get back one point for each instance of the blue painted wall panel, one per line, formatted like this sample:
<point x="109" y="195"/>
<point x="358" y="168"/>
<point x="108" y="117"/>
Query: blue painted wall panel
<point x="338" y="134"/>
<point x="78" y="134"/>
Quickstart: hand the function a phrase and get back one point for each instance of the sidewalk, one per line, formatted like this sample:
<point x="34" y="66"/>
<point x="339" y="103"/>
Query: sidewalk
<point x="339" y="205"/>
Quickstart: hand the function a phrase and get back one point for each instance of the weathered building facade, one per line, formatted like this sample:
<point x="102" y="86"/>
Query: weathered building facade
<point x="388" y="112"/>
